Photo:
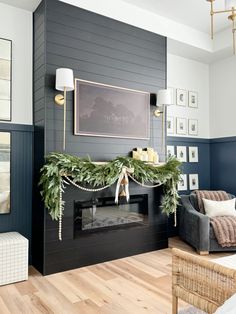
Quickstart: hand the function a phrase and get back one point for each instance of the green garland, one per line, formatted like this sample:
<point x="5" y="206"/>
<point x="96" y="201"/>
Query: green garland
<point x="85" y="172"/>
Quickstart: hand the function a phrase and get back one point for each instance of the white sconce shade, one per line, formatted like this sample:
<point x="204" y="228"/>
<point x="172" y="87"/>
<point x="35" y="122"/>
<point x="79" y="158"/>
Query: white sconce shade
<point x="229" y="4"/>
<point x="164" y="98"/>
<point x="64" y="79"/>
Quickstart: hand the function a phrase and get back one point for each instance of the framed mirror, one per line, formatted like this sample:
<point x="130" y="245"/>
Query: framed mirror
<point x="5" y="79"/>
<point x="5" y="172"/>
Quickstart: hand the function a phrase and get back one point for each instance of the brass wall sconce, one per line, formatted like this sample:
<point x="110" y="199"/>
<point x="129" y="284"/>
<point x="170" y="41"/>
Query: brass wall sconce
<point x="64" y="82"/>
<point x="163" y="100"/>
<point x="230" y="7"/>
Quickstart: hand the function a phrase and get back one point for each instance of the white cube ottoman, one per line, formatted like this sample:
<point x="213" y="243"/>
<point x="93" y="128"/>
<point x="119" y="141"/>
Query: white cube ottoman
<point x="13" y="258"/>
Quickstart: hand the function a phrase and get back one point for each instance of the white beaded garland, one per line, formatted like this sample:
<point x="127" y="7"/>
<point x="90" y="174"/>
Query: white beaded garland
<point x="144" y="185"/>
<point x="61" y="205"/>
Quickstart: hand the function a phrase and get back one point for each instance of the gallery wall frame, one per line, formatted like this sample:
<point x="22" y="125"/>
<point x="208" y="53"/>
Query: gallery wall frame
<point x="183" y="183"/>
<point x="170" y="125"/>
<point x="181" y="97"/>
<point x="181" y="153"/>
<point x="5" y="79"/>
<point x="170" y="151"/>
<point x="181" y="126"/>
<point x="5" y="172"/>
<point x="193" y="154"/>
<point x="193" y="99"/>
<point x="104" y="110"/>
<point x="193" y="182"/>
<point x="193" y="127"/>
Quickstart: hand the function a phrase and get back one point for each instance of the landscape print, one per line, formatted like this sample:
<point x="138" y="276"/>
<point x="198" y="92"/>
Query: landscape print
<point x="4" y="172"/>
<point x="108" y="111"/>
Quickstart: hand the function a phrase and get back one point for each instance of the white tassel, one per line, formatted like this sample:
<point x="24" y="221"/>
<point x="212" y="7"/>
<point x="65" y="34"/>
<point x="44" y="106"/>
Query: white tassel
<point x="123" y="175"/>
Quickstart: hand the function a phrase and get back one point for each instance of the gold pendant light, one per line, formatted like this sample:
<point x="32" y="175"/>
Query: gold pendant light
<point x="230" y="7"/>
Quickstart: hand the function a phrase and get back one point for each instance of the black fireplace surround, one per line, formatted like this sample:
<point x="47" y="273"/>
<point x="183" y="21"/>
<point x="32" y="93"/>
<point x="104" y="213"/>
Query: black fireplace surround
<point x="144" y="228"/>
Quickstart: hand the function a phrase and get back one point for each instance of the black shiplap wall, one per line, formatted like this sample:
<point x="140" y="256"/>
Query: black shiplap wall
<point x="97" y="49"/>
<point x="39" y="134"/>
<point x="102" y="50"/>
<point x="19" y="219"/>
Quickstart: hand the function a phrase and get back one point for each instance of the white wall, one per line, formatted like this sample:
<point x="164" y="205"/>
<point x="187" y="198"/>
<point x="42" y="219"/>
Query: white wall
<point x="192" y="76"/>
<point x="223" y="98"/>
<point x="16" y="24"/>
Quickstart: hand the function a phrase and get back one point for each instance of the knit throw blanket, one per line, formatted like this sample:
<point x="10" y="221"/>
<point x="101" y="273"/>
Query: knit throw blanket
<point x="225" y="230"/>
<point x="224" y="226"/>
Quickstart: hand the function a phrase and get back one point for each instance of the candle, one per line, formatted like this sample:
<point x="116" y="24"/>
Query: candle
<point x="155" y="158"/>
<point x="144" y="156"/>
<point x="136" y="155"/>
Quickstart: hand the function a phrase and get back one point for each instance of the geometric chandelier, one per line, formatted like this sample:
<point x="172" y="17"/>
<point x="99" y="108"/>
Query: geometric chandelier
<point x="230" y="7"/>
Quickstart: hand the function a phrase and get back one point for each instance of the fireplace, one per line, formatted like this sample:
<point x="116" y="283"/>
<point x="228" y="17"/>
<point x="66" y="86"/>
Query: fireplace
<point x="103" y="213"/>
<point x="95" y="229"/>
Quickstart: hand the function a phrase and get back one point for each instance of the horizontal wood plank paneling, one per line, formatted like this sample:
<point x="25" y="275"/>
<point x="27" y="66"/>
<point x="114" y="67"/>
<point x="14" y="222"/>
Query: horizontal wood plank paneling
<point x="106" y="51"/>
<point x="99" y="20"/>
<point x="19" y="219"/>
<point x="101" y="50"/>
<point x="39" y="134"/>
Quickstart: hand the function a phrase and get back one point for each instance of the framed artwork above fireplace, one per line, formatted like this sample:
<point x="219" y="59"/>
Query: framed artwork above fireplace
<point x="5" y="172"/>
<point x="111" y="111"/>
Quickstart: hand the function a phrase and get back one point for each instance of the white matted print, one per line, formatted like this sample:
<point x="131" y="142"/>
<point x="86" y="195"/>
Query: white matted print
<point x="183" y="185"/>
<point x="193" y="127"/>
<point x="181" y="126"/>
<point x="170" y="151"/>
<point x="193" y="99"/>
<point x="193" y="154"/>
<point x="170" y="125"/>
<point x="193" y="182"/>
<point x="182" y="153"/>
<point x="181" y="97"/>
<point x="172" y="91"/>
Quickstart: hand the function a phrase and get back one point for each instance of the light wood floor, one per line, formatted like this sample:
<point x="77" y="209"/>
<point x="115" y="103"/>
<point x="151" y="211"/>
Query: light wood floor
<point x="138" y="284"/>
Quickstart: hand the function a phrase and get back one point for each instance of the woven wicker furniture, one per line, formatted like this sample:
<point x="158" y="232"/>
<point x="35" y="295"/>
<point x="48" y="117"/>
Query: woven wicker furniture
<point x="200" y="282"/>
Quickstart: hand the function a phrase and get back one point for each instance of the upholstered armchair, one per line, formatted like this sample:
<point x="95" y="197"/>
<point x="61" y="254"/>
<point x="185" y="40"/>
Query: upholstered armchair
<point x="195" y="228"/>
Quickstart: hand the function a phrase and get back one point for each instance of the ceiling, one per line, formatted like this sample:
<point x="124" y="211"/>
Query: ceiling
<point x="29" y="5"/>
<point x="194" y="13"/>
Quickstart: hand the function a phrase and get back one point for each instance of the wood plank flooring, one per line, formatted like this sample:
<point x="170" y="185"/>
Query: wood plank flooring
<point x="134" y="285"/>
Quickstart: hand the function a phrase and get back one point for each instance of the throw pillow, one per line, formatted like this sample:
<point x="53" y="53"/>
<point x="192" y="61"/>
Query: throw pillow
<point x="219" y="208"/>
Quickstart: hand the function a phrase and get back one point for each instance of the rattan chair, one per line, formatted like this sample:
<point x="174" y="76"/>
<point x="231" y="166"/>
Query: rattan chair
<point x="200" y="282"/>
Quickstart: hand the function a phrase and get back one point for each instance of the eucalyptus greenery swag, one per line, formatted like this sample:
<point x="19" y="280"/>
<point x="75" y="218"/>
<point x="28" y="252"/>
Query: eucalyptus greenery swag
<point x="87" y="173"/>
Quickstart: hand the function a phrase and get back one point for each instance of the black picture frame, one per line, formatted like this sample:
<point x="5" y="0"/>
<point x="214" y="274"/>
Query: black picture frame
<point x="104" y="110"/>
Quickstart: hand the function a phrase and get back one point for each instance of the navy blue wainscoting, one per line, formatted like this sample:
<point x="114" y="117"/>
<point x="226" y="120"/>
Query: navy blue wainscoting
<point x="202" y="168"/>
<point x="20" y="216"/>
<point x="223" y="164"/>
